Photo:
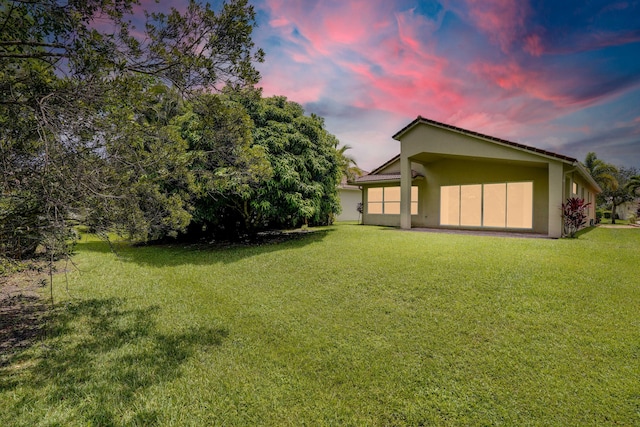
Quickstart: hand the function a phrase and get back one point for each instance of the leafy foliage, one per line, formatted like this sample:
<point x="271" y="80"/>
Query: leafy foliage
<point x="305" y="166"/>
<point x="574" y="215"/>
<point x="260" y="164"/>
<point x="227" y="166"/>
<point x="634" y="184"/>
<point x="89" y="117"/>
<point x="622" y="192"/>
<point x="603" y="173"/>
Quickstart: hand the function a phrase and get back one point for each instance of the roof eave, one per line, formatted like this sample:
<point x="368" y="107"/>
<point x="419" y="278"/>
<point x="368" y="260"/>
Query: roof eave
<point x="504" y="142"/>
<point x="384" y="165"/>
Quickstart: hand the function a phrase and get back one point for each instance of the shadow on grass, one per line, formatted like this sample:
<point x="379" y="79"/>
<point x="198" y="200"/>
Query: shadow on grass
<point x="198" y="254"/>
<point x="96" y="360"/>
<point x="21" y="324"/>
<point x="584" y="231"/>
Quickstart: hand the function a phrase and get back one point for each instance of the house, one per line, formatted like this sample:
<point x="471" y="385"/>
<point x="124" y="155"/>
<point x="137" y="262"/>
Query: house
<point x="628" y="209"/>
<point x="449" y="177"/>
<point x="350" y="197"/>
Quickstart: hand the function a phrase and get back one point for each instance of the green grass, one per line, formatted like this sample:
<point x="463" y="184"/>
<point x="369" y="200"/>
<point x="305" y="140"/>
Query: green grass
<point x="348" y="325"/>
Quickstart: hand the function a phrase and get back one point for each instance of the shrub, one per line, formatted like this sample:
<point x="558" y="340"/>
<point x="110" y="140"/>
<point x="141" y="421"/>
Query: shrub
<point x="574" y="215"/>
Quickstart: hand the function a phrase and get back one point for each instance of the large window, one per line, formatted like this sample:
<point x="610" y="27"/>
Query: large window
<point x="386" y="200"/>
<point x="503" y="205"/>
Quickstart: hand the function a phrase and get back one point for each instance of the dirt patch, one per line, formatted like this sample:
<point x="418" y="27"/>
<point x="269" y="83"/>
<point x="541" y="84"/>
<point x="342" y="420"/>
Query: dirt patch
<point x="619" y="226"/>
<point x="22" y="311"/>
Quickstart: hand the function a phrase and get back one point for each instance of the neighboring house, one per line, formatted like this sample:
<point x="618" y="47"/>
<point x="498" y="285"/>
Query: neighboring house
<point x="448" y="177"/>
<point x="626" y="209"/>
<point x="350" y="196"/>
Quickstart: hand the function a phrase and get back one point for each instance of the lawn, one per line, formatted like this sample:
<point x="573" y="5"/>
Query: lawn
<point x="345" y="325"/>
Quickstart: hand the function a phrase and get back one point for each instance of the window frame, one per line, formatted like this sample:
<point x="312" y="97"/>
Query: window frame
<point x="395" y="201"/>
<point x="448" y="191"/>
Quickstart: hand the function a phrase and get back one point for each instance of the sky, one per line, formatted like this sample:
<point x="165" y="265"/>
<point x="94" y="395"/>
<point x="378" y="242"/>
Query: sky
<point x="561" y="75"/>
<point x="558" y="75"/>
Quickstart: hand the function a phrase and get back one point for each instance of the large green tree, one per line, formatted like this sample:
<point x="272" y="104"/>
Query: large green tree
<point x="304" y="159"/>
<point x="89" y="114"/>
<point x="621" y="193"/>
<point x="226" y="165"/>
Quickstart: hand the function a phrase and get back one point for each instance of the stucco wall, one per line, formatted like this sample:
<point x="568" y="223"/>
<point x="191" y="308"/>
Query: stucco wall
<point x="387" y="219"/>
<point x="448" y="157"/>
<point x="464" y="172"/>
<point x="437" y="141"/>
<point x="584" y="191"/>
<point x="349" y="199"/>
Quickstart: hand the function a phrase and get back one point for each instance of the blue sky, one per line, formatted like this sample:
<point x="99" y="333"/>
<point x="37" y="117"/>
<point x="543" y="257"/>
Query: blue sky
<point x="563" y="76"/>
<point x="559" y="75"/>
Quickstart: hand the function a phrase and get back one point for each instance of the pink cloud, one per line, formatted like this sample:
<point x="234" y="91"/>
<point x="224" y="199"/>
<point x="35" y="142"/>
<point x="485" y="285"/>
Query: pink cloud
<point x="516" y="79"/>
<point x="533" y="45"/>
<point x="502" y="20"/>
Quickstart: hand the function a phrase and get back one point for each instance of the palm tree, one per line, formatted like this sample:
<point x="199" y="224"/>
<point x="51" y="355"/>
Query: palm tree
<point x="603" y="173"/>
<point x="634" y="184"/>
<point x="348" y="165"/>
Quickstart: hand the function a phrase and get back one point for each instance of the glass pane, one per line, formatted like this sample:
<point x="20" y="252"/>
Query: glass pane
<point x="392" y="207"/>
<point x="374" y="194"/>
<point x="414" y="200"/>
<point x="520" y="205"/>
<point x="450" y="205"/>
<point x="495" y="205"/>
<point x="471" y="205"/>
<point x="392" y="194"/>
<point x="374" y="208"/>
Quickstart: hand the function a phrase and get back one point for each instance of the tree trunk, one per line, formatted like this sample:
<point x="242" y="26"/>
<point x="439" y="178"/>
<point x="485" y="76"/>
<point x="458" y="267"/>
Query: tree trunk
<point x="613" y="212"/>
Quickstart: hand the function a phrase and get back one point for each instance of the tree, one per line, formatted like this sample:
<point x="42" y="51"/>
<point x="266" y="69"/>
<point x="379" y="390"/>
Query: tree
<point x="622" y="192"/>
<point x="348" y="165"/>
<point x="304" y="161"/>
<point x="258" y="164"/>
<point x="303" y="189"/>
<point x="226" y="164"/>
<point x="603" y="173"/>
<point x="87" y="115"/>
<point x="634" y="184"/>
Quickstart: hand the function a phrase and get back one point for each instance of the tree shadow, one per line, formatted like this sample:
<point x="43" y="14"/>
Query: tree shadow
<point x="584" y="231"/>
<point x="96" y="359"/>
<point x="21" y="324"/>
<point x="205" y="254"/>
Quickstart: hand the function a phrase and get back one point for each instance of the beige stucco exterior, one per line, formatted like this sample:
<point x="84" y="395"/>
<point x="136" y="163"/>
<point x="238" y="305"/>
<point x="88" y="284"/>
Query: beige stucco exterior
<point x="350" y="196"/>
<point x="433" y="155"/>
<point x="627" y="209"/>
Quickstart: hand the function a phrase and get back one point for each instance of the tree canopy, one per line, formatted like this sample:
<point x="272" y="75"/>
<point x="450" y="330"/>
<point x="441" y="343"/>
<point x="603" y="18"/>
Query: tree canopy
<point x="621" y="193"/>
<point x="603" y="173"/>
<point x="152" y="136"/>
<point x="618" y="184"/>
<point x="89" y="113"/>
<point x="283" y="175"/>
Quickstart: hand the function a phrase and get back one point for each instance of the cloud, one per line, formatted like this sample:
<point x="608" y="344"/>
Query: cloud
<point x="497" y="67"/>
<point x="502" y="20"/>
